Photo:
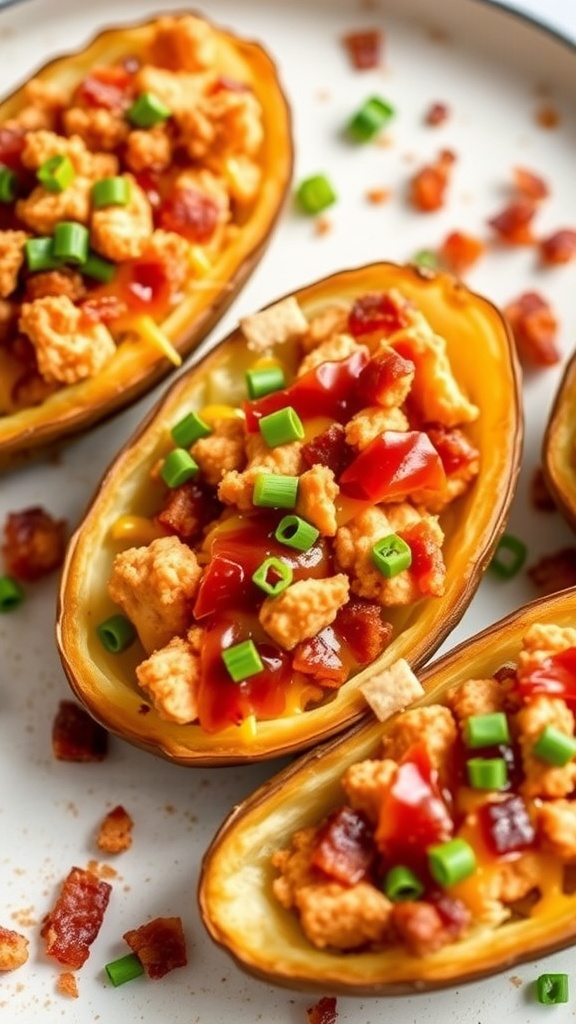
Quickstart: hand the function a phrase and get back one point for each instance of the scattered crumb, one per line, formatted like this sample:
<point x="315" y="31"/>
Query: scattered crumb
<point x="378" y="196"/>
<point x="322" y="226"/>
<point x="67" y="985"/>
<point x="115" y="831"/>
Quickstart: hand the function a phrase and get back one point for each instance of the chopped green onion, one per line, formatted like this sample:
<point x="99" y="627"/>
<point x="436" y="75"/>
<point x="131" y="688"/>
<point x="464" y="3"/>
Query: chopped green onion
<point x="125" y="969"/>
<point x="97" y="267"/>
<point x="189" y="429"/>
<point x="178" y="468"/>
<point x="116" y="633"/>
<point x="370" y="119"/>
<point x="8" y="185"/>
<point x="391" y="555"/>
<point x="554" y="746"/>
<point x="273" y="576"/>
<point x="11" y="594"/>
<point x="296" y="533"/>
<point x="71" y="241"/>
<point x="426" y="258"/>
<point x="552" y="988"/>
<point x="509" y="557"/>
<point x="39" y="254"/>
<point x="486" y="730"/>
<point x="147" y="110"/>
<point x="274" y="490"/>
<point x="487" y="772"/>
<point x="315" y="194"/>
<point x="242" y="661"/>
<point x="56" y="173"/>
<point x="262" y="380"/>
<point x="451" y="862"/>
<point x="402" y="884"/>
<point x="115" y="191"/>
<point x="281" y="427"/>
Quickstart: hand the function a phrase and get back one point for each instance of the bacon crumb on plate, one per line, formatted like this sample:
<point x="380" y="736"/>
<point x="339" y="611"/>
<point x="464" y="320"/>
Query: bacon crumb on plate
<point x="460" y="251"/>
<point x="535" y="329"/>
<point x="34" y="543"/>
<point x="429" y="184"/>
<point x="555" y="571"/>
<point x="76" y="736"/>
<point x="67" y="985"/>
<point x="73" y="924"/>
<point x="558" y="247"/>
<point x="323" y="1012"/>
<point x="160" y="945"/>
<point x="364" y="48"/>
<point x="115" y="832"/>
<point x="13" y="949"/>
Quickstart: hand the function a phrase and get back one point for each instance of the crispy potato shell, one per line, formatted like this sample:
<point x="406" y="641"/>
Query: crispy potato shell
<point x="236" y="879"/>
<point x="560" y="444"/>
<point x="137" y="366"/>
<point x="484" y="362"/>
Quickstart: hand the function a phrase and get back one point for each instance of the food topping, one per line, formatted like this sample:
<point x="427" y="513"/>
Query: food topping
<point x="115" y="832"/>
<point x="131" y="180"/>
<point x="75" y="920"/>
<point x="288" y="528"/>
<point x="160" y="945"/>
<point x="463" y="818"/>
<point x="13" y="949"/>
<point x="76" y="736"/>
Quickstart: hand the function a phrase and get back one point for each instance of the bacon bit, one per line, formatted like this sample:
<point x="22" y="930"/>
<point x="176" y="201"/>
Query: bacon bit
<point x="330" y="448"/>
<point x="191" y="213"/>
<point x="460" y="251"/>
<point x="455" y="450"/>
<point x="364" y="49"/>
<point x="360" y="623"/>
<point x="534" y="327"/>
<point x="318" y="658"/>
<point x="514" y="223"/>
<point x="34" y="543"/>
<point x="76" y="918"/>
<point x="76" y="736"/>
<point x="344" y="848"/>
<point x="110" y="88"/>
<point x="188" y="509"/>
<point x="13" y="949"/>
<point x="547" y="117"/>
<point x="323" y="1012"/>
<point x="428" y="186"/>
<point x="539" y="492"/>
<point x="560" y="247"/>
<point x="102" y="309"/>
<point x="554" y="572"/>
<point x="529" y="184"/>
<point x="422" y="927"/>
<point x="437" y="114"/>
<point x="67" y="985"/>
<point x="115" y="832"/>
<point x="160" y="945"/>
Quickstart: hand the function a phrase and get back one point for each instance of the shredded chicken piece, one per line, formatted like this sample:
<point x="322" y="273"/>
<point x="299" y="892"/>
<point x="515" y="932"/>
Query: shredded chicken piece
<point x="123" y="232"/>
<point x="303" y="609"/>
<point x="68" y="349"/>
<point x="11" y="259"/>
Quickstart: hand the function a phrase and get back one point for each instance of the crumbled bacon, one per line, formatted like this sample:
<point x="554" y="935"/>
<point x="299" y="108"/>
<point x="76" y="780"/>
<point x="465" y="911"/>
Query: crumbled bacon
<point x="13" y="949"/>
<point x="191" y="213"/>
<point x="323" y="1012"/>
<point x="67" y="985"/>
<point x="513" y="224"/>
<point x="102" y="309"/>
<point x="76" y="918"/>
<point x="437" y="114"/>
<point x="364" y="48"/>
<point x="459" y="251"/>
<point x="319" y="658"/>
<point x="361" y="624"/>
<point x="559" y="247"/>
<point x="428" y="185"/>
<point x="529" y="184"/>
<point x="34" y="543"/>
<point x="160" y="945"/>
<point x="554" y="572"/>
<point x="540" y="493"/>
<point x="427" y="561"/>
<point x="547" y="117"/>
<point x="330" y="449"/>
<point x="344" y="847"/>
<point x="76" y="736"/>
<point x="455" y="450"/>
<point x="188" y="509"/>
<point x="423" y="926"/>
<point x="534" y="327"/>
<point x="115" y="832"/>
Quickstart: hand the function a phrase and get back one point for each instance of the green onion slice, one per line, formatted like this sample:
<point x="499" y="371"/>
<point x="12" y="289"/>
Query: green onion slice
<point x="39" y="254"/>
<point x="8" y="185"/>
<point x="11" y="594"/>
<point x="509" y="557"/>
<point x="178" y="467"/>
<point x="487" y="772"/>
<point x="263" y="380"/>
<point x="370" y="119"/>
<point x="125" y="969"/>
<point x="98" y="268"/>
<point x="116" y="633"/>
<point x="402" y="884"/>
<point x="242" y="661"/>
<point x="315" y="194"/>
<point x="486" y="730"/>
<point x="426" y="258"/>
<point x="281" y="427"/>
<point x="56" y="173"/>
<point x="147" y="110"/>
<point x="116" y="191"/>
<point x="274" y="490"/>
<point x="71" y="241"/>
<point x="189" y="429"/>
<point x="554" y="747"/>
<point x="273" y="576"/>
<point x="451" y="862"/>
<point x="296" y="533"/>
<point x="391" y="555"/>
<point x="552" y="988"/>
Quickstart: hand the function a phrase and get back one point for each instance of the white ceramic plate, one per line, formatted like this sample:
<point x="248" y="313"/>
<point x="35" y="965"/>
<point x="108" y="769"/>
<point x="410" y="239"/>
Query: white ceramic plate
<point x="494" y="70"/>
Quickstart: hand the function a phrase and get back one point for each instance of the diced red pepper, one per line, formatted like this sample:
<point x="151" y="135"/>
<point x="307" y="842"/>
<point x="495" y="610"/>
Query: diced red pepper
<point x="190" y="213"/>
<point x="413" y="814"/>
<point x="327" y="390"/>
<point x="559" y="247"/>
<point x="12" y="142"/>
<point x="344" y="847"/>
<point x="392" y="466"/>
<point x="144" y="286"/>
<point x="376" y="312"/>
<point x="555" y="677"/>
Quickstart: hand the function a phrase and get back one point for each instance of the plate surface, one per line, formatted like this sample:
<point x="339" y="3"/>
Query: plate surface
<point x="495" y="72"/>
